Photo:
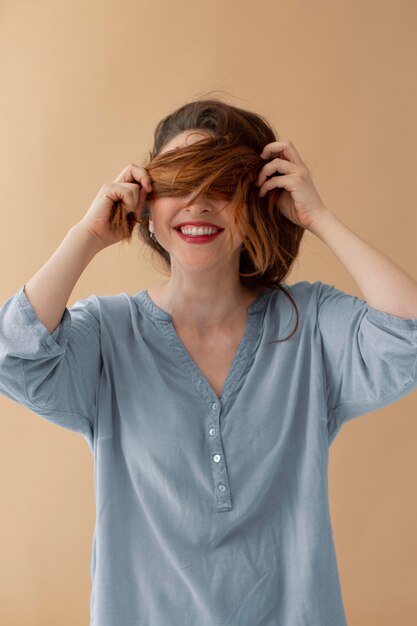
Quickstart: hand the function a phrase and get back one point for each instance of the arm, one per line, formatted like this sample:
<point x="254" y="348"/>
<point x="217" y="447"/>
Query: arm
<point x="384" y="284"/>
<point x="54" y="373"/>
<point x="49" y="289"/>
<point x="386" y="287"/>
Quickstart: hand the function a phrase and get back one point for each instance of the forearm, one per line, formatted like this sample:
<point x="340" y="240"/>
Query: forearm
<point x="49" y="289"/>
<point x="385" y="286"/>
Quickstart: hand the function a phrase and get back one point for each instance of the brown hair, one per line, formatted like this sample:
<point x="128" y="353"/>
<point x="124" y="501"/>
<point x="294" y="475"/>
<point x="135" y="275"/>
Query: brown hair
<point x="224" y="165"/>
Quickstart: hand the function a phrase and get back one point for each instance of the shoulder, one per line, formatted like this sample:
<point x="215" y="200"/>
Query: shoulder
<point x="302" y="292"/>
<point x="306" y="292"/>
<point x="106" y="307"/>
<point x="289" y="301"/>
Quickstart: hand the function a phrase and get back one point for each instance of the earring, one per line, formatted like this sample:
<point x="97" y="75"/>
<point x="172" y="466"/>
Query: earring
<point x="152" y="234"/>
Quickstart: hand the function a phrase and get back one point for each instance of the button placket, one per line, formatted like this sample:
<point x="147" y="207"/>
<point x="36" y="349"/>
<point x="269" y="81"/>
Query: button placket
<point x="218" y="465"/>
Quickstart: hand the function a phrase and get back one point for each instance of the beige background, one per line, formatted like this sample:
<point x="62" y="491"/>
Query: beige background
<point x="83" y="85"/>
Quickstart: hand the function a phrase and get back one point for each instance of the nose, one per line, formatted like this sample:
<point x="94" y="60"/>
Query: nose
<point x="200" y="205"/>
<point x="198" y="212"/>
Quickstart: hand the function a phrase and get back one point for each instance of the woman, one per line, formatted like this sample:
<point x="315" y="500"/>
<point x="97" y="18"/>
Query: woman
<point x="210" y="436"/>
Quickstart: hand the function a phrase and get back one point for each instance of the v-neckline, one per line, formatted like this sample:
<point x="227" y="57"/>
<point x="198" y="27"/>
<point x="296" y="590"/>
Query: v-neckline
<point x="163" y="320"/>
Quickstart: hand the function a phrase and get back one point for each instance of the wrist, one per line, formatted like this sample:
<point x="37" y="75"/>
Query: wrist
<point x="94" y="243"/>
<point x="318" y="223"/>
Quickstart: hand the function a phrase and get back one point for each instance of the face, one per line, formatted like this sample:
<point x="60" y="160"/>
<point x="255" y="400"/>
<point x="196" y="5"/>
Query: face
<point x="167" y="213"/>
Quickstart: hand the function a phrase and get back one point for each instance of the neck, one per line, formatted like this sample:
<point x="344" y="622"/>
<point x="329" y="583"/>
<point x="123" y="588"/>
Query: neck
<point x="203" y="308"/>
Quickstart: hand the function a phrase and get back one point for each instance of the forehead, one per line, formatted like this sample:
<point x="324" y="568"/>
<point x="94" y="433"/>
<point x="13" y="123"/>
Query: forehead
<point x="185" y="138"/>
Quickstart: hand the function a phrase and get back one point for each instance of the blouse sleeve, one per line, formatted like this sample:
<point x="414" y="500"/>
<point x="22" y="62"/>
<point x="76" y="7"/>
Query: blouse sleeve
<point x="55" y="375"/>
<point x="370" y="357"/>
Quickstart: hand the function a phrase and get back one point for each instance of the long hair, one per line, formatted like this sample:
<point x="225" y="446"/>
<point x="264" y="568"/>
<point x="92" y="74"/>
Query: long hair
<point x="224" y="165"/>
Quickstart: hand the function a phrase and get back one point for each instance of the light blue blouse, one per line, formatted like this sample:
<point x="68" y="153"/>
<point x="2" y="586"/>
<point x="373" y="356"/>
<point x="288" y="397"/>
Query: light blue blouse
<point x="210" y="511"/>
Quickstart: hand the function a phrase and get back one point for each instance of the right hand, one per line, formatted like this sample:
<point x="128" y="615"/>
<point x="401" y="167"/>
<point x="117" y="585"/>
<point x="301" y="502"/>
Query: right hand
<point x="126" y="193"/>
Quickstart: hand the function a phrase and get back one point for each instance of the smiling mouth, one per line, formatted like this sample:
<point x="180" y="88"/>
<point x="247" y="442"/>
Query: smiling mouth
<point x="198" y="238"/>
<point x="178" y="228"/>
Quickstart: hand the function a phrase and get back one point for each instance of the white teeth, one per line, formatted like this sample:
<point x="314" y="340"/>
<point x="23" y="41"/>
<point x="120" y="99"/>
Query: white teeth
<point x="198" y="231"/>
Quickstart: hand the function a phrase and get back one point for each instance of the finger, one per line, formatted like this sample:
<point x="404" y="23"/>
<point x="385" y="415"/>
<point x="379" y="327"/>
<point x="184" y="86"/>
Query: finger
<point x="142" y="197"/>
<point x="286" y="148"/>
<point x="272" y="183"/>
<point x="128" y="194"/>
<point x="133" y="173"/>
<point x="286" y="167"/>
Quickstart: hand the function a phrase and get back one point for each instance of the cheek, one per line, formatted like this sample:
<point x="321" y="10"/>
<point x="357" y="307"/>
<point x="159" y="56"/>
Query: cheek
<point x="163" y="212"/>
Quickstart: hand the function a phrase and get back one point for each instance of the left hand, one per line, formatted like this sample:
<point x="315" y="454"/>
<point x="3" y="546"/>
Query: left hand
<point x="299" y="200"/>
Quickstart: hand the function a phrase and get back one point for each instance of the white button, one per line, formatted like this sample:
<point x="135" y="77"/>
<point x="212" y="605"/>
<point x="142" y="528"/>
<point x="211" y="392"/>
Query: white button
<point x="212" y="432"/>
<point x="214" y="405"/>
<point x="222" y="487"/>
<point x="216" y="458"/>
